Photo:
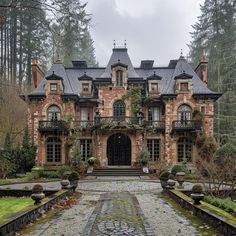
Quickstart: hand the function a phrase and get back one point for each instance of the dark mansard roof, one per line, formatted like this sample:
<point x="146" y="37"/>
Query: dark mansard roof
<point x="167" y="75"/>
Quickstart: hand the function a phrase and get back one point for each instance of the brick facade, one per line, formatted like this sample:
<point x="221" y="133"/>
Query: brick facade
<point x="86" y="102"/>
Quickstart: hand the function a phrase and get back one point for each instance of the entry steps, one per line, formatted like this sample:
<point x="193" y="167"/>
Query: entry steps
<point x="117" y="172"/>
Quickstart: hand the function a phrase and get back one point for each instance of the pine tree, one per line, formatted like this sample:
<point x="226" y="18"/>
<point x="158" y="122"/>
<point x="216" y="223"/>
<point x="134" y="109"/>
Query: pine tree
<point x="72" y="27"/>
<point x="216" y="34"/>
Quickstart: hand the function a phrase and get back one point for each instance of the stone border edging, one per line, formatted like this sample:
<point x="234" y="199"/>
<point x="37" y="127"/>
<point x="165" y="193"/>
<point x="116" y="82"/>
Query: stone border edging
<point x="221" y="225"/>
<point x="31" y="182"/>
<point x="10" y="227"/>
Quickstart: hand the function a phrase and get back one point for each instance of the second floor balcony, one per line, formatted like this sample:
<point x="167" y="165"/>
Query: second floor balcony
<point x="186" y="125"/>
<point x="53" y="126"/>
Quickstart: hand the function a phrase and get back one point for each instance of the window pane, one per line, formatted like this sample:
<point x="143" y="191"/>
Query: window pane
<point x="154" y="87"/>
<point x="85" y="148"/>
<point x="153" y="146"/>
<point x="85" y="87"/>
<point x="119" y="109"/>
<point x="184" y="86"/>
<point x="184" y="149"/>
<point x="53" y="146"/>
<point x="119" y="78"/>
<point x="53" y="87"/>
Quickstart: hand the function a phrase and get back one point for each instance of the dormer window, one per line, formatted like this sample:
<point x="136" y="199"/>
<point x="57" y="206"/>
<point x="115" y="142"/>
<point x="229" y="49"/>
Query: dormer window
<point x="85" y="87"/>
<point x="119" y="78"/>
<point x="184" y="86"/>
<point x="154" y="87"/>
<point x="53" y="87"/>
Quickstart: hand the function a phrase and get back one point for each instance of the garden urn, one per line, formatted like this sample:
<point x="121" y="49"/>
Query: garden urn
<point x="180" y="177"/>
<point x="37" y="194"/>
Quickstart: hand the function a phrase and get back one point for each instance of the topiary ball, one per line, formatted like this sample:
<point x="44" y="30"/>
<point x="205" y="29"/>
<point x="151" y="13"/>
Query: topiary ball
<point x="37" y="188"/>
<point x="197" y="188"/>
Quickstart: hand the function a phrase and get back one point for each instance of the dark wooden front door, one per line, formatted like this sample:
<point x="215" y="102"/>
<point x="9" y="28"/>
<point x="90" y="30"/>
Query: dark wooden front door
<point x="119" y="149"/>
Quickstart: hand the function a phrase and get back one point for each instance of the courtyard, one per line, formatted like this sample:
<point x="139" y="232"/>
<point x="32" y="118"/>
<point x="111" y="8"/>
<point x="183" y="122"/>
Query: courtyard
<point x="120" y="206"/>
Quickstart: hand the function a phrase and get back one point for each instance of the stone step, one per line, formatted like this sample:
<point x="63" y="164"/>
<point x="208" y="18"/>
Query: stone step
<point x="117" y="172"/>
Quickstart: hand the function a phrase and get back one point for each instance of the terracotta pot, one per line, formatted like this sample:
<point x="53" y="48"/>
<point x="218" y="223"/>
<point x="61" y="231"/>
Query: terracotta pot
<point x="37" y="197"/>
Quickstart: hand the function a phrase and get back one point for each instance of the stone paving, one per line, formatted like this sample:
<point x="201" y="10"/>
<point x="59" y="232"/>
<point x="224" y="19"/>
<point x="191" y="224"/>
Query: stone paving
<point x="108" y="207"/>
<point x="117" y="214"/>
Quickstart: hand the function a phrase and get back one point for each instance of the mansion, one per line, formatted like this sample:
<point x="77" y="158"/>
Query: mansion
<point x="118" y="110"/>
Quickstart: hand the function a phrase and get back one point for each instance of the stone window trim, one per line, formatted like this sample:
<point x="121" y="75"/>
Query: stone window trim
<point x="53" y="148"/>
<point x="153" y="87"/>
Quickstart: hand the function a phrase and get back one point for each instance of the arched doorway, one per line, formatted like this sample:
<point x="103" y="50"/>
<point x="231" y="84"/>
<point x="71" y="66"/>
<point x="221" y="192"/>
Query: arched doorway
<point x="119" y="149"/>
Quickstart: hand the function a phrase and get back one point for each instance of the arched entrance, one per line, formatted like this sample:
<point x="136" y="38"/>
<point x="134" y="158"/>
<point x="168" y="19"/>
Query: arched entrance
<point x="119" y="149"/>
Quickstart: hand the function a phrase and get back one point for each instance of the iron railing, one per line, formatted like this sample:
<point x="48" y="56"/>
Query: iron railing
<point x="51" y="126"/>
<point x="157" y="124"/>
<point x="186" y="125"/>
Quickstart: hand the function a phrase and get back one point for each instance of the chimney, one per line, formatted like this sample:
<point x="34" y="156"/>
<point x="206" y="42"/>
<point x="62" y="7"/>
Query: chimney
<point x="201" y="69"/>
<point x="37" y="73"/>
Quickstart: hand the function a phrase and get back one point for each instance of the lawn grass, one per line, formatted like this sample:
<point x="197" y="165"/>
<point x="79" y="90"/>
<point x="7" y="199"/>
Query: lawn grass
<point x="12" y="205"/>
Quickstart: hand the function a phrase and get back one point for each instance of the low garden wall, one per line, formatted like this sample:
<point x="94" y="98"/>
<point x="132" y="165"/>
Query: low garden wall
<point x="21" y="220"/>
<point x="224" y="222"/>
<point x="22" y="192"/>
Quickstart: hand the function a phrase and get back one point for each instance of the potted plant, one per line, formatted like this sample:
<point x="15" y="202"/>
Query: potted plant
<point x="164" y="176"/>
<point x="73" y="178"/>
<point x="91" y="161"/>
<point x="197" y="194"/>
<point x="143" y="158"/>
<point x="37" y="193"/>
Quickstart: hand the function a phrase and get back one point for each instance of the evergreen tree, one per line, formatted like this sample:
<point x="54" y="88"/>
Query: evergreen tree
<point x="216" y="34"/>
<point x="28" y="152"/>
<point x="74" y="39"/>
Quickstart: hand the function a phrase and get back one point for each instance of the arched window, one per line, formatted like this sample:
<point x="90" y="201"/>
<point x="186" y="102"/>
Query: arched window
<point x="119" y="109"/>
<point x="184" y="112"/>
<point x="184" y="149"/>
<point x="53" y="149"/>
<point x="119" y="78"/>
<point x="54" y="113"/>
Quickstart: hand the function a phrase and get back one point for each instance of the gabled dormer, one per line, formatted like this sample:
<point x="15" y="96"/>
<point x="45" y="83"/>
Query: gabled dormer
<point x="85" y="85"/>
<point x="119" y="74"/>
<point x="54" y="84"/>
<point x="183" y="83"/>
<point x="154" y="84"/>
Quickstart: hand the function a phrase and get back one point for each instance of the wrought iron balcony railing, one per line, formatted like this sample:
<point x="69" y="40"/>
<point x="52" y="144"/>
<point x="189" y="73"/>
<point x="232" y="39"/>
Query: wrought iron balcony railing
<point x="184" y="125"/>
<point x="53" y="126"/>
<point x="157" y="124"/>
<point x="119" y="121"/>
<point x="83" y="124"/>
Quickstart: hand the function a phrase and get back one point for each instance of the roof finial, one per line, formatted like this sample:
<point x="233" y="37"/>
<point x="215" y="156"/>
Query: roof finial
<point x="181" y="54"/>
<point x="154" y="72"/>
<point x="125" y="43"/>
<point x="85" y="73"/>
<point x="53" y="72"/>
<point x="114" y="43"/>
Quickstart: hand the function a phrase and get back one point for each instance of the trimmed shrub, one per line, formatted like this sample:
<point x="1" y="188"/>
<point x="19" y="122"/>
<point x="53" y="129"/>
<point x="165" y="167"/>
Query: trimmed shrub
<point x="143" y="156"/>
<point x="73" y="176"/>
<point x="37" y="188"/>
<point x="61" y="170"/>
<point x="197" y="188"/>
<point x="179" y="168"/>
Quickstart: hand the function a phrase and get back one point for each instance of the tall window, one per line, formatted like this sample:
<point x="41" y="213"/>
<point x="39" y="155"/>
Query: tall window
<point x="119" y="78"/>
<point x="154" y="115"/>
<point x="153" y="146"/>
<point x="119" y="109"/>
<point x="184" y="113"/>
<point x="184" y="149"/>
<point x="85" y="148"/>
<point x="54" y="113"/>
<point x="53" y="149"/>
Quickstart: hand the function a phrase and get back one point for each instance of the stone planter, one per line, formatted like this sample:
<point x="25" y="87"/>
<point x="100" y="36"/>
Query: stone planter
<point x="65" y="184"/>
<point x="180" y="177"/>
<point x="197" y="197"/>
<point x="37" y="197"/>
<point x="170" y="184"/>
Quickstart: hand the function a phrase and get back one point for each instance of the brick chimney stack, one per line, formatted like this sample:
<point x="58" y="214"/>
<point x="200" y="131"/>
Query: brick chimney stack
<point x="201" y="69"/>
<point x="37" y="73"/>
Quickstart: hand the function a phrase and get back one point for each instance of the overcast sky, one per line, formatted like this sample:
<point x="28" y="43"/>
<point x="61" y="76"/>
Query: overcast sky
<point x="153" y="29"/>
